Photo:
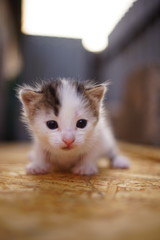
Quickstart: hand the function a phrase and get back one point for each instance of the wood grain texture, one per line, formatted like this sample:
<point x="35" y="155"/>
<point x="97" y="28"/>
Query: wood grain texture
<point x="114" y="204"/>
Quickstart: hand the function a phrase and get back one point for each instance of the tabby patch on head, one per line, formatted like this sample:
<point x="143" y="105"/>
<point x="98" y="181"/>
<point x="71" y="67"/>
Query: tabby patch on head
<point x="51" y="96"/>
<point x="55" y="94"/>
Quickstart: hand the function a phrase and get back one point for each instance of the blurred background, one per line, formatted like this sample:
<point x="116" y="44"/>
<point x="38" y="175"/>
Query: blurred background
<point x="100" y="40"/>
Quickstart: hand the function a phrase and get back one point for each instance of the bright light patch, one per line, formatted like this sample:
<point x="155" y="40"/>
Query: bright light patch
<point x="89" y="20"/>
<point x="95" y="43"/>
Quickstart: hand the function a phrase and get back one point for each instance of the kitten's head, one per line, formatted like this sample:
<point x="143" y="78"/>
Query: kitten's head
<point x="63" y="113"/>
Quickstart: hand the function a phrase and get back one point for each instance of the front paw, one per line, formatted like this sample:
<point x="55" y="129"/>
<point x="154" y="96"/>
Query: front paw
<point x="85" y="170"/>
<point x="120" y="162"/>
<point x="36" y="168"/>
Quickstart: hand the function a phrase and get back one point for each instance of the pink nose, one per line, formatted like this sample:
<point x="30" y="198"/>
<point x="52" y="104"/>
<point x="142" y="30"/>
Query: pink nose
<point x="68" y="141"/>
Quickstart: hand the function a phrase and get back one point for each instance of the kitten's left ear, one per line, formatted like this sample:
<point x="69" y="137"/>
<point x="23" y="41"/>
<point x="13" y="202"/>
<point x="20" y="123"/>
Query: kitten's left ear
<point x="97" y="92"/>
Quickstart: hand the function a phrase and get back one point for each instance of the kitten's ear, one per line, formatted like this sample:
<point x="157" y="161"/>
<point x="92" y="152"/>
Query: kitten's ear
<point x="28" y="98"/>
<point x="97" y="93"/>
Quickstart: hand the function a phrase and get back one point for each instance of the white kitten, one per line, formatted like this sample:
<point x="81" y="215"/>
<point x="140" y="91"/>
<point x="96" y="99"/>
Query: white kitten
<point x="70" y="131"/>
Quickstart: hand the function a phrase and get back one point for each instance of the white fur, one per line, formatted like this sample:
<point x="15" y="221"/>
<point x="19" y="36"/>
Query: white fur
<point x="91" y="143"/>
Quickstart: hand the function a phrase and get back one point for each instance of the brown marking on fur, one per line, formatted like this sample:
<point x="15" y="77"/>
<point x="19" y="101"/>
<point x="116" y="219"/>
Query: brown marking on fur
<point x="79" y="87"/>
<point x="95" y="96"/>
<point x="50" y="95"/>
<point x="46" y="97"/>
<point x="92" y="95"/>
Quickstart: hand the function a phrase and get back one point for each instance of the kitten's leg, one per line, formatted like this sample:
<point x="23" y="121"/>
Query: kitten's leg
<point x="39" y="162"/>
<point x="86" y="166"/>
<point x="116" y="159"/>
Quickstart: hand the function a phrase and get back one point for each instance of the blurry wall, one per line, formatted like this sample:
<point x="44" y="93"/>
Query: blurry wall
<point x="133" y="43"/>
<point x="10" y="63"/>
<point x="49" y="57"/>
<point x="133" y="46"/>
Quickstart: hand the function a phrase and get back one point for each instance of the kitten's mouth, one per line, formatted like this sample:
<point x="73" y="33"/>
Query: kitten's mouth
<point x="67" y="148"/>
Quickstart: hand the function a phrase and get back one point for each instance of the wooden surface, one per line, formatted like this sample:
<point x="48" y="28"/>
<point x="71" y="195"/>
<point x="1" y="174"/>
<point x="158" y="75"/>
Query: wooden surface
<point x="114" y="204"/>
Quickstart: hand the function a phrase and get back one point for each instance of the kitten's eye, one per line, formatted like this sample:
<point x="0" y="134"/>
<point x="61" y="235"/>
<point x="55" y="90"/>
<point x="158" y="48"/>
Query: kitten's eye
<point x="52" y="124"/>
<point x="81" y="123"/>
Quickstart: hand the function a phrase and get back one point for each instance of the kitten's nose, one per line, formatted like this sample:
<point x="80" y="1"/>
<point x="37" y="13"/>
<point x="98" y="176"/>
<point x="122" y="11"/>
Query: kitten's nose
<point x="68" y="141"/>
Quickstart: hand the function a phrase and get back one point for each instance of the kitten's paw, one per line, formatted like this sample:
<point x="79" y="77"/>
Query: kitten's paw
<point x="37" y="168"/>
<point x="85" y="170"/>
<point x="120" y="162"/>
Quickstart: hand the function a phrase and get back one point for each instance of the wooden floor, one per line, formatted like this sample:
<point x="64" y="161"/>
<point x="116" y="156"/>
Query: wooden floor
<point x="114" y="204"/>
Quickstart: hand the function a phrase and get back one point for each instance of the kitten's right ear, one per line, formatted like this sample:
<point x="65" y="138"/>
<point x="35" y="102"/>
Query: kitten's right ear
<point x="28" y="98"/>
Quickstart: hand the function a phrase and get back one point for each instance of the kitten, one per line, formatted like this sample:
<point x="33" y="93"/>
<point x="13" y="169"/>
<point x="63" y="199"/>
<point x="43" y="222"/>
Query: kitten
<point x="70" y="132"/>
